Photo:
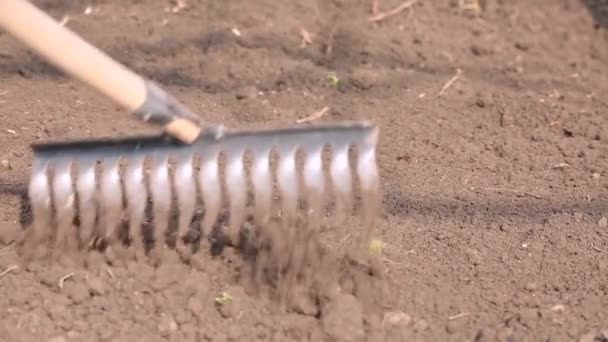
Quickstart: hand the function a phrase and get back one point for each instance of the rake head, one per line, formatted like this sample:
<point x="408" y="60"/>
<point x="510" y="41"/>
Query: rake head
<point x="104" y="189"/>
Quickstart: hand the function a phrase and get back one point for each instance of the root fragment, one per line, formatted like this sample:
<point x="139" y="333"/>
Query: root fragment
<point x="379" y="16"/>
<point x="450" y="82"/>
<point x="314" y="116"/>
<point x="64" y="278"/>
<point x="8" y="270"/>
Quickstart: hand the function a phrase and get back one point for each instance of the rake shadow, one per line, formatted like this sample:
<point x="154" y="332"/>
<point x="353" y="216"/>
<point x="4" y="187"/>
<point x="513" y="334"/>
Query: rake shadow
<point x="486" y="208"/>
<point x="489" y="208"/>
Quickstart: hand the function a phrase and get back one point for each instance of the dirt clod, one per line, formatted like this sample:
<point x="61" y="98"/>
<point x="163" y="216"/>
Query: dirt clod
<point x="474" y="256"/>
<point x="478" y="50"/>
<point x="49" y="278"/>
<point x="57" y="339"/>
<point x="603" y="222"/>
<point x="97" y="286"/>
<point x="522" y="46"/>
<point x="6" y="164"/>
<point x="454" y="326"/>
<point x="342" y="319"/>
<point x="421" y="325"/>
<point x="588" y="337"/>
<point x="77" y="292"/>
<point x="248" y="92"/>
<point x="167" y="325"/>
<point x="166" y="276"/>
<point x="396" y="319"/>
<point x="363" y="79"/>
<point x="9" y="233"/>
<point x="228" y="310"/>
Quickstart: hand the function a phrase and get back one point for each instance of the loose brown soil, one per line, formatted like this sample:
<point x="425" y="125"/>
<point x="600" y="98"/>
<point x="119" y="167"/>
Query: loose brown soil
<point x="494" y="211"/>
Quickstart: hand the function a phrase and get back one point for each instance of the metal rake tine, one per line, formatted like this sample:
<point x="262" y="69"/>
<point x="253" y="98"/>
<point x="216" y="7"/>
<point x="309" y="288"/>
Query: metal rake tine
<point x="313" y="178"/>
<point x="287" y="181"/>
<point x="110" y="200"/>
<point x="367" y="172"/>
<point x="39" y="192"/>
<point x="236" y="184"/>
<point x="341" y="179"/>
<point x="261" y="179"/>
<point x="64" y="201"/>
<point x="136" y="196"/>
<point x="85" y="188"/>
<point x="185" y="192"/>
<point x="160" y="189"/>
<point x="289" y="191"/>
<point x="210" y="187"/>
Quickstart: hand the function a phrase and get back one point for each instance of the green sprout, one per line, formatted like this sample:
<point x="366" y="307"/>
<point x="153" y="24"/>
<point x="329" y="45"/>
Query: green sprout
<point x="333" y="80"/>
<point x="223" y="298"/>
<point x="375" y="246"/>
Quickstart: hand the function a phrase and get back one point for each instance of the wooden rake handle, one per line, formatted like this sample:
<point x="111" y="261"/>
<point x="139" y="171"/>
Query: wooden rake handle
<point x="81" y="60"/>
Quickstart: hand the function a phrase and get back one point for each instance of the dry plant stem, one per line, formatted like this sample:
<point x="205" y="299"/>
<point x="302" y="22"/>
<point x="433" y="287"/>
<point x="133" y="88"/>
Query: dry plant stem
<point x="472" y="5"/>
<point x="179" y="6"/>
<point x="64" y="278"/>
<point x="8" y="270"/>
<point x="450" y="82"/>
<point x="457" y="316"/>
<point x="560" y="166"/>
<point x="383" y="15"/>
<point x="515" y="191"/>
<point x="598" y="249"/>
<point x="315" y="116"/>
<point x="306" y="37"/>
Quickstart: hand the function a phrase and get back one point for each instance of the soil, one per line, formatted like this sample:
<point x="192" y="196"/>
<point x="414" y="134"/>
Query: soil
<point x="493" y="153"/>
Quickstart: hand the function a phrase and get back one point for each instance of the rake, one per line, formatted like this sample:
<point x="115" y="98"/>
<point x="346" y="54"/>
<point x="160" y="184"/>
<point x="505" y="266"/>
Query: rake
<point x="87" y="189"/>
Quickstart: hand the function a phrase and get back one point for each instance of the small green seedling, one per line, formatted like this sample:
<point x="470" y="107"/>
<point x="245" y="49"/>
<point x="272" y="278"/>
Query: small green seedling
<point x="223" y="298"/>
<point x="375" y="246"/>
<point x="333" y="80"/>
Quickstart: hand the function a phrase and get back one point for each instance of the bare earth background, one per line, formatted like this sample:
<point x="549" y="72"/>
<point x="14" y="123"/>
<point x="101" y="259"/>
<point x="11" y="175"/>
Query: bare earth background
<point x="495" y="188"/>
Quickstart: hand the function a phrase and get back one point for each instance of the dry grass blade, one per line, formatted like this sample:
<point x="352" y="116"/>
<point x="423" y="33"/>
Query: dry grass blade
<point x="515" y="191"/>
<point x="306" y="37"/>
<point x="560" y="166"/>
<point x="457" y="316"/>
<point x="178" y="6"/>
<point x="383" y="15"/>
<point x="65" y="20"/>
<point x="598" y="249"/>
<point x="450" y="82"/>
<point x="63" y="279"/>
<point x="8" y="270"/>
<point x="314" y="116"/>
<point x="470" y="5"/>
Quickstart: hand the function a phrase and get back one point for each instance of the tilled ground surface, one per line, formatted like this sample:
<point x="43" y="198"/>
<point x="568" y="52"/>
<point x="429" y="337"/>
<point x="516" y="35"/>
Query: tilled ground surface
<point x="493" y="153"/>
